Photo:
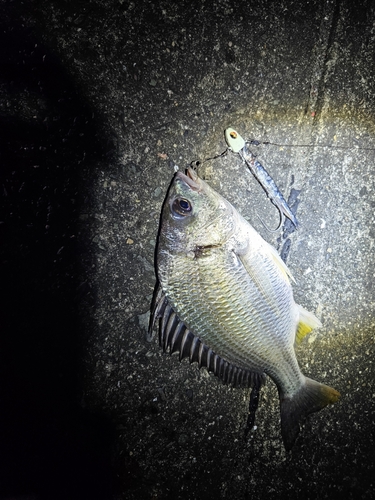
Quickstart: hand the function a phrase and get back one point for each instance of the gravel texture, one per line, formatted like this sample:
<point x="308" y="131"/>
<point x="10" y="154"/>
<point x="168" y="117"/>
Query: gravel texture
<point x="99" y="100"/>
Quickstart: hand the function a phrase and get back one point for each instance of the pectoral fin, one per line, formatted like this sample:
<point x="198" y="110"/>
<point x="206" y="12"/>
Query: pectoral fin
<point x="280" y="264"/>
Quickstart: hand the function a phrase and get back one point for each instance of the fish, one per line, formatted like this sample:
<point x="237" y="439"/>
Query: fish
<point x="240" y="146"/>
<point x="224" y="299"/>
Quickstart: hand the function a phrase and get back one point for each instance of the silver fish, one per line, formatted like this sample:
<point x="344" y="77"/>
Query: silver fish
<point x="224" y="300"/>
<point x="238" y="145"/>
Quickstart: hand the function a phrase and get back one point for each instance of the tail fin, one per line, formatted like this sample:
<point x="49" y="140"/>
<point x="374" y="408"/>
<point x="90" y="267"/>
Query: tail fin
<point x="312" y="397"/>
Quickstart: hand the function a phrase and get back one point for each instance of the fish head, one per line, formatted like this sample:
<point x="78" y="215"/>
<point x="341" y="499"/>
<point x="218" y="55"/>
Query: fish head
<point x="194" y="215"/>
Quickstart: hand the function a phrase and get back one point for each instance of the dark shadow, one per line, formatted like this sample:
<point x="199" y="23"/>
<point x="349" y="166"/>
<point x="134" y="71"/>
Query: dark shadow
<point x="49" y="446"/>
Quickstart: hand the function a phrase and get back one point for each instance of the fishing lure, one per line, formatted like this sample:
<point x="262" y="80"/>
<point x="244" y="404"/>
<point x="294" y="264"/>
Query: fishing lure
<point x="238" y="145"/>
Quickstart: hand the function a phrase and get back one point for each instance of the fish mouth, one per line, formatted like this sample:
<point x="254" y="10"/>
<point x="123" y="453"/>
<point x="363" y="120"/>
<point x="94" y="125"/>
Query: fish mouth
<point x="190" y="178"/>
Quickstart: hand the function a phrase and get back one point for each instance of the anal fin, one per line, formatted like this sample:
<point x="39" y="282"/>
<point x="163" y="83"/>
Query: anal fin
<point x="307" y="322"/>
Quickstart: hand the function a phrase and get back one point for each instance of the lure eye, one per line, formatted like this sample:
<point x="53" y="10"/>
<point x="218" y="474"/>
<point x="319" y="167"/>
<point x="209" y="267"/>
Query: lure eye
<point x="181" y="207"/>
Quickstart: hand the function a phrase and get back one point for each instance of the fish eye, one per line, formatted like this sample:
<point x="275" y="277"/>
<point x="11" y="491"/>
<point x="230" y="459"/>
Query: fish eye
<point x="181" y="207"/>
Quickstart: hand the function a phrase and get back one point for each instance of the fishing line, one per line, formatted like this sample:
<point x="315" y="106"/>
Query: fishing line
<point x="196" y="163"/>
<point x="268" y="143"/>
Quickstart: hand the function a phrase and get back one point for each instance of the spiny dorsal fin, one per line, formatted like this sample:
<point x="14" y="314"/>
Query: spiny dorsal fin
<point x="307" y="322"/>
<point x="175" y="336"/>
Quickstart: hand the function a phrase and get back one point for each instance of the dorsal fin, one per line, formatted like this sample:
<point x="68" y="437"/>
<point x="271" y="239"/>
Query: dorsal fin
<point x="173" y="334"/>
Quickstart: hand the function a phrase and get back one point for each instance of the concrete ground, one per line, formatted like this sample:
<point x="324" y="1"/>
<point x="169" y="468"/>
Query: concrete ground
<point x="99" y="101"/>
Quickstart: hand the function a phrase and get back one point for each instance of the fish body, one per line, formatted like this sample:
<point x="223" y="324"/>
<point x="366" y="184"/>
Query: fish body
<point x="225" y="300"/>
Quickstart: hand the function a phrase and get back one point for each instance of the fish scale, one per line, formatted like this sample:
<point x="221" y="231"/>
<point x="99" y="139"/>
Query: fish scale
<point x="240" y="323"/>
<point x="177" y="338"/>
<point x="225" y="301"/>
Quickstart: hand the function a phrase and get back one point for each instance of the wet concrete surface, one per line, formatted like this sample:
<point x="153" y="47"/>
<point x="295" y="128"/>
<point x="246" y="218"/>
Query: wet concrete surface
<point x="99" y="101"/>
